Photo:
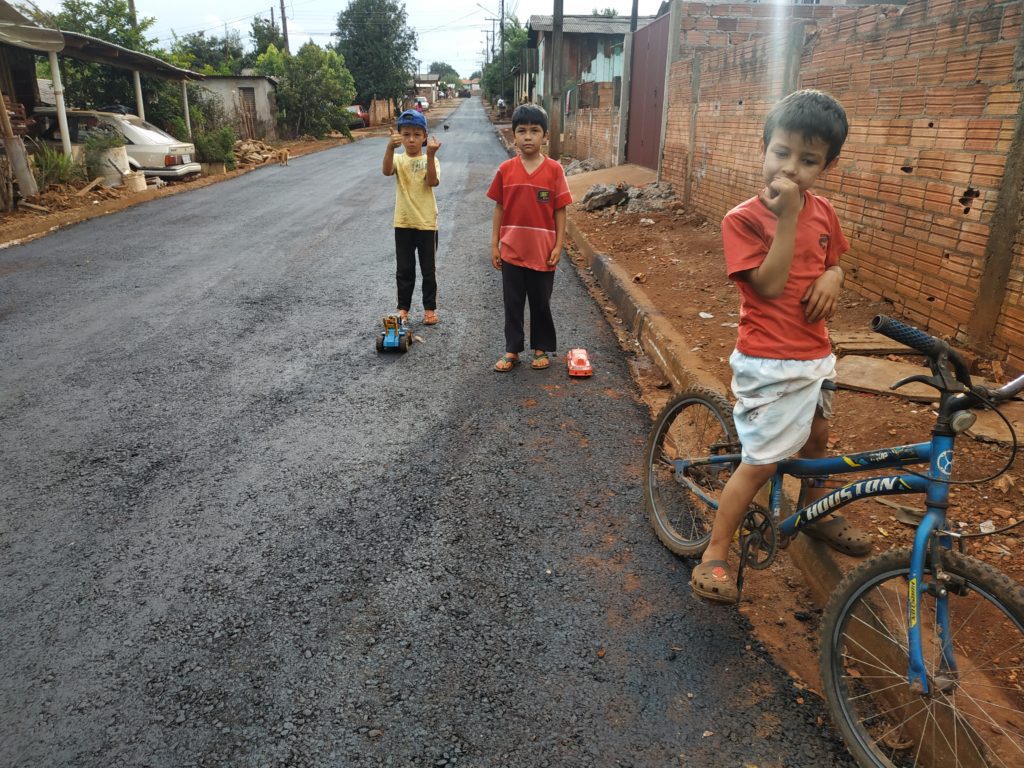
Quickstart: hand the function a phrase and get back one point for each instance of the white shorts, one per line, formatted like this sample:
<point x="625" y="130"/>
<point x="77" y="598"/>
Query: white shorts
<point x="775" y="403"/>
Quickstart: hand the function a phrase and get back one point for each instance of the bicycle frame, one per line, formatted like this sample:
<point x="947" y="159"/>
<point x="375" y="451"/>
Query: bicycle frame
<point x="938" y="453"/>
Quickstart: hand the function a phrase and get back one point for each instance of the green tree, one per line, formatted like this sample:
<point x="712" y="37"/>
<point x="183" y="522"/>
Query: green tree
<point x="377" y="47"/>
<point x="609" y="12"/>
<point x="95" y="85"/>
<point x="210" y="55"/>
<point x="314" y="91"/>
<point x="491" y="81"/>
<point x="446" y="71"/>
<point x="265" y="34"/>
<point x="270" y="62"/>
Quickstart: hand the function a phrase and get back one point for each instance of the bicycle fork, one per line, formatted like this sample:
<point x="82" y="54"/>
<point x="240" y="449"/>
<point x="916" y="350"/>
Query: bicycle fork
<point x="928" y="544"/>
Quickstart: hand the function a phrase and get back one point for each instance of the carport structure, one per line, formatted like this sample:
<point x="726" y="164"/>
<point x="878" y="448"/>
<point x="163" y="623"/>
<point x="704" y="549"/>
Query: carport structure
<point x="19" y="35"/>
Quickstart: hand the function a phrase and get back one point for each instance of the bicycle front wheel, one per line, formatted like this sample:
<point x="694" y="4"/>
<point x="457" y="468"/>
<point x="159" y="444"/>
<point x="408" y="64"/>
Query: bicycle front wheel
<point x="694" y="424"/>
<point x="973" y="715"/>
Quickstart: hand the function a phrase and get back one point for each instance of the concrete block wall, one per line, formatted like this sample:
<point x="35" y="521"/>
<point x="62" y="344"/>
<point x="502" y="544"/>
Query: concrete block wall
<point x="933" y="91"/>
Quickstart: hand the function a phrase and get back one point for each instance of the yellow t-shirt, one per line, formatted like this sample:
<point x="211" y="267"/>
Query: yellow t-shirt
<point x="415" y="206"/>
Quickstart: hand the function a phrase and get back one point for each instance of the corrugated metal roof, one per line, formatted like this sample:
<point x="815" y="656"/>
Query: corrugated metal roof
<point x="16" y="30"/>
<point x="87" y="48"/>
<point x="588" y="25"/>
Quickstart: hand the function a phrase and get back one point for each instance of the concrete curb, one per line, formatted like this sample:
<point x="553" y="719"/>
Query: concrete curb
<point x="669" y="350"/>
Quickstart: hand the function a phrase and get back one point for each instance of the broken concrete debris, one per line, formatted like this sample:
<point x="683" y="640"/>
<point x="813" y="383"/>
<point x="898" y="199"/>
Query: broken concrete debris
<point x="658" y="196"/>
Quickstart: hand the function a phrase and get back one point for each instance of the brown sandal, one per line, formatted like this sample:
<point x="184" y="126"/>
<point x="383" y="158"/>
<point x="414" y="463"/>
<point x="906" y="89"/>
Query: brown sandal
<point x="840" y="534"/>
<point x="540" y="361"/>
<point x="430" y="317"/>
<point x="507" y="363"/>
<point x="707" y="583"/>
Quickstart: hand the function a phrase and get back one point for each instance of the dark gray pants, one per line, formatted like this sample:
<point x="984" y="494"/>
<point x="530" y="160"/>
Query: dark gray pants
<point x="409" y="243"/>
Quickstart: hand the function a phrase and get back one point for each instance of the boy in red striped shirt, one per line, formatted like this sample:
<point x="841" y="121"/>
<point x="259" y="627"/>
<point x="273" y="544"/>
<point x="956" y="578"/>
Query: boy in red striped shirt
<point x="527" y="230"/>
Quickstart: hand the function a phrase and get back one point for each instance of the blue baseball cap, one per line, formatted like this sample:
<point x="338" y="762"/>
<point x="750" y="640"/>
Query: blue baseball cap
<point x="413" y="118"/>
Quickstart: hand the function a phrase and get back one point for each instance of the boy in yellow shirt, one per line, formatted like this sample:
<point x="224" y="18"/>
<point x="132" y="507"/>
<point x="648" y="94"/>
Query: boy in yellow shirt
<point x="416" y="174"/>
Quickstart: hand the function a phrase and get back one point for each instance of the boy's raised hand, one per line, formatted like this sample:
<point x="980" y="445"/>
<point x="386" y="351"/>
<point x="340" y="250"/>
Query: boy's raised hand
<point x="432" y="145"/>
<point x="394" y="138"/>
<point x="781" y="196"/>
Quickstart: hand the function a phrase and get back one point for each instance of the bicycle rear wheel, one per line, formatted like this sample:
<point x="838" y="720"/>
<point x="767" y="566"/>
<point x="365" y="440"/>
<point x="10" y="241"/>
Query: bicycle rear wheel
<point x="973" y="716"/>
<point x="694" y="424"/>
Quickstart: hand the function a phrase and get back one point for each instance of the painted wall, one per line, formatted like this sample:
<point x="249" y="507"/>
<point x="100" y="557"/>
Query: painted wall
<point x="226" y="89"/>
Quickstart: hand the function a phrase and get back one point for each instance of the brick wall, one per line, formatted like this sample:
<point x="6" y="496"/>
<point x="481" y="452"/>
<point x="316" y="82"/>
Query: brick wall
<point x="929" y="88"/>
<point x="593" y="132"/>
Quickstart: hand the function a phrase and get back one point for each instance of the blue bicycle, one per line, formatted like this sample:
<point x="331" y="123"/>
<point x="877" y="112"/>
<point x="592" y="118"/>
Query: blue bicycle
<point x="922" y="648"/>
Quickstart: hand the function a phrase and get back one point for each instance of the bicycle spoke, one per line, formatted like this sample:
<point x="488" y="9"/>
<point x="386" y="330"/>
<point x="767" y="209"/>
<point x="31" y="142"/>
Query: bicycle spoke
<point x="973" y="713"/>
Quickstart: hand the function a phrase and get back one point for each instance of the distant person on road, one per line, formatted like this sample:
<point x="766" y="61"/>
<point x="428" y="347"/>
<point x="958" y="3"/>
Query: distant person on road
<point x="782" y="249"/>
<point x="527" y="231"/>
<point x="416" y="174"/>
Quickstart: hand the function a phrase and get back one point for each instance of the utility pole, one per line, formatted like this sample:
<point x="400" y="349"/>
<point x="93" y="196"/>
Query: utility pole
<point x="555" y="118"/>
<point x="272" y="17"/>
<point x="284" y="28"/>
<point x="633" y="15"/>
<point x="501" y="13"/>
<point x="134" y="17"/>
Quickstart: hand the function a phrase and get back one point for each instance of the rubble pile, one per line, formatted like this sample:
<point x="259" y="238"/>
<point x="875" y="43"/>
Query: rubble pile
<point x="253" y="152"/>
<point x="582" y="166"/>
<point x="658" y="196"/>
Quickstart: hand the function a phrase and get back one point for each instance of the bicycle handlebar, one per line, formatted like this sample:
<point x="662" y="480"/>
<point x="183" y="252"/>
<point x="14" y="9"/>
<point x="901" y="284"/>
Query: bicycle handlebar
<point x="923" y="343"/>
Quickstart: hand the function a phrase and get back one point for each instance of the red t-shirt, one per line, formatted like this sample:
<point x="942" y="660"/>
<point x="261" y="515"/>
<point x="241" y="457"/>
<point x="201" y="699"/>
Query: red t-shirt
<point x="777" y="328"/>
<point x="529" y="202"/>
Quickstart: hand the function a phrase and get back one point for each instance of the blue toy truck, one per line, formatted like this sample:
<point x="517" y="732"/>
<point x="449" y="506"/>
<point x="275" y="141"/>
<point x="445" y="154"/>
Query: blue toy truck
<point x="395" y="337"/>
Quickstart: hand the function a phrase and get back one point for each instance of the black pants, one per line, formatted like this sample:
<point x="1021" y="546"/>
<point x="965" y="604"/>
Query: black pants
<point x="409" y="243"/>
<point x="519" y="284"/>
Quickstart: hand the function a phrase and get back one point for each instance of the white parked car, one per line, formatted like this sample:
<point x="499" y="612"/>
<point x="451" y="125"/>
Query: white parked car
<point x="423" y="102"/>
<point x="150" y="150"/>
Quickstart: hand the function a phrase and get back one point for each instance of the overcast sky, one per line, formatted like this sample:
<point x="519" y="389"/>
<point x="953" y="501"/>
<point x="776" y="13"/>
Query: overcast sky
<point x="447" y="30"/>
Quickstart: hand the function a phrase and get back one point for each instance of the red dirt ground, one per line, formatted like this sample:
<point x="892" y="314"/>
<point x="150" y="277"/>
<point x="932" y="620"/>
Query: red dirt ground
<point x="677" y="261"/>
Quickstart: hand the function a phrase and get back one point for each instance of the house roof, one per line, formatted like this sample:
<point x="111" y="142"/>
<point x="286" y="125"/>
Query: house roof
<point x="586" y="25"/>
<point x="18" y="31"/>
<point x="86" y="48"/>
<point x="272" y="80"/>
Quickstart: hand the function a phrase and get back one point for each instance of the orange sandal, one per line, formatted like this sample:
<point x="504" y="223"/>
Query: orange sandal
<point x="430" y="317"/>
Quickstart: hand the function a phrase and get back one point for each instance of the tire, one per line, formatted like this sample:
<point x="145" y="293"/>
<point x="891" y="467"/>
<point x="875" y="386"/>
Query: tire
<point x="972" y="717"/>
<point x="380" y="343"/>
<point x="404" y="343"/>
<point x="695" y="423"/>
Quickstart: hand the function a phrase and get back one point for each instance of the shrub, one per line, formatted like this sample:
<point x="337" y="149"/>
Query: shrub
<point x="217" y="146"/>
<point x="99" y="141"/>
<point x="52" y="166"/>
<point x="177" y="128"/>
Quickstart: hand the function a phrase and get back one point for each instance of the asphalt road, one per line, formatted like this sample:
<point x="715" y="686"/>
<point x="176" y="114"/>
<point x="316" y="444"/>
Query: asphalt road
<point x="232" y="534"/>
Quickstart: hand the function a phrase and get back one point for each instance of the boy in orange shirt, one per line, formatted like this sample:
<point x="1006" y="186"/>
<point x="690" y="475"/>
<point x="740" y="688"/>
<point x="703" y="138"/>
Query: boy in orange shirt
<point x="530" y="196"/>
<point x="782" y="248"/>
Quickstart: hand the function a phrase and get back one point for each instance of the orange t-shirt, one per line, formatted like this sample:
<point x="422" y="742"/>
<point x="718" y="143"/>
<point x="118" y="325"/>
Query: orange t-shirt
<point x="528" y="202"/>
<point x="777" y="328"/>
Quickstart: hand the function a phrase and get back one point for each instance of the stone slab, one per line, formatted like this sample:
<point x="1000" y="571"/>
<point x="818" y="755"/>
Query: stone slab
<point x="867" y="343"/>
<point x="990" y="428"/>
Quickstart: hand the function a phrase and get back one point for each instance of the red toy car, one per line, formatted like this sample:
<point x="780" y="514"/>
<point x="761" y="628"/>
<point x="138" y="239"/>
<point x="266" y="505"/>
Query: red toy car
<point x="578" y="362"/>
